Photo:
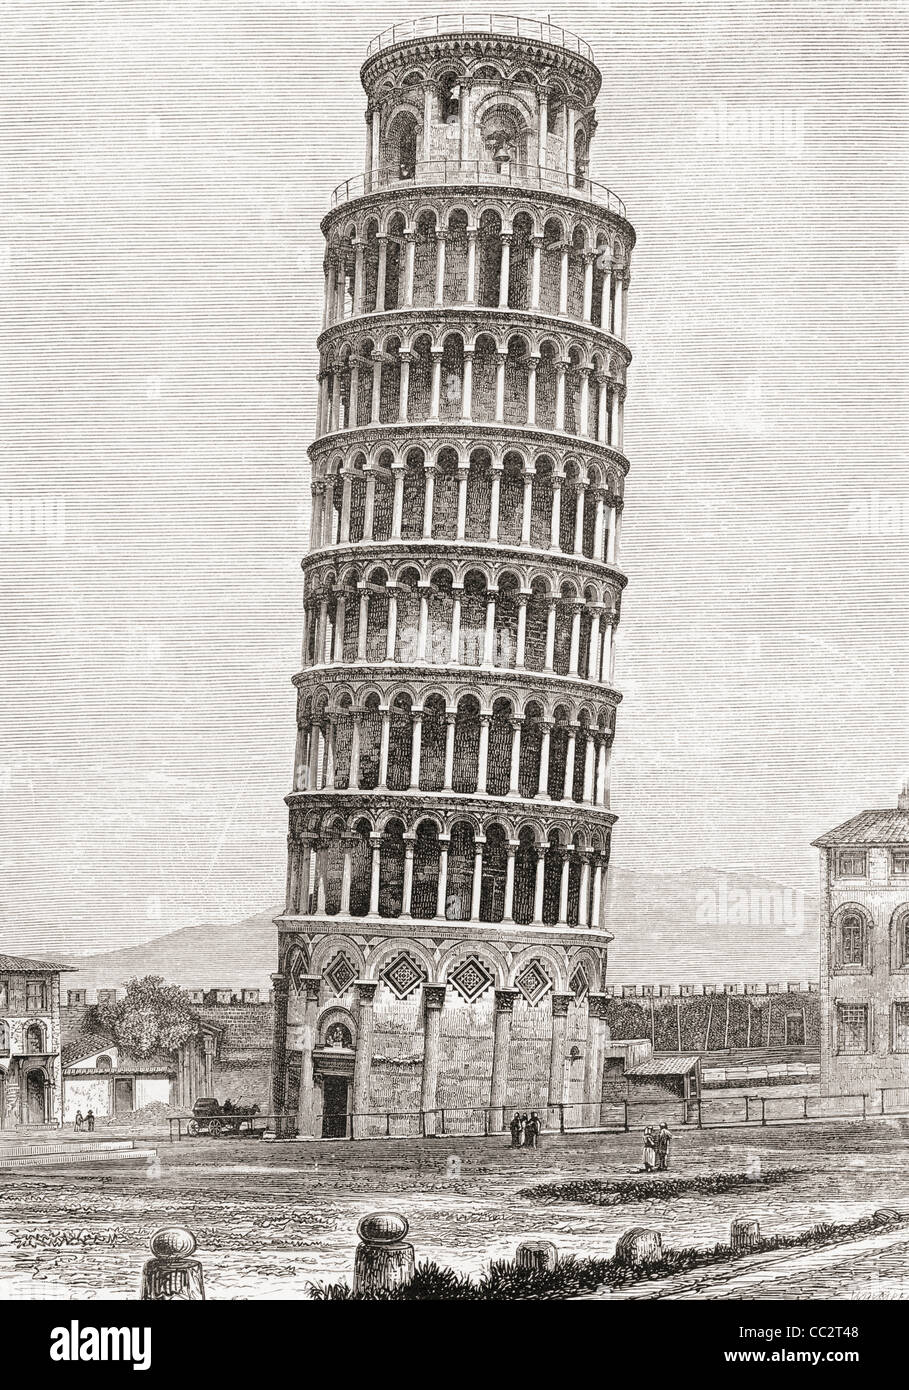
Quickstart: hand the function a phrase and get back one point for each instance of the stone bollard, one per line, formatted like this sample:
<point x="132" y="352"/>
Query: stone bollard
<point x="744" y="1234"/>
<point x="383" y="1261"/>
<point x="538" y="1255"/>
<point x="172" y="1276"/>
<point x="639" y="1246"/>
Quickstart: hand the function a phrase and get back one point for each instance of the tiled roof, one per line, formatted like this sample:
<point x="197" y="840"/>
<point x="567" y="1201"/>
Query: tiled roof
<point x="86" y="1047"/>
<point x="159" y="1064"/>
<point x="889" y="827"/>
<point x="26" y="964"/>
<point x="664" y="1066"/>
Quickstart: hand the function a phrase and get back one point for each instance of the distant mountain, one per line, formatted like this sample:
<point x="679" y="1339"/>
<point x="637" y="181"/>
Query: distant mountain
<point x="702" y="925"/>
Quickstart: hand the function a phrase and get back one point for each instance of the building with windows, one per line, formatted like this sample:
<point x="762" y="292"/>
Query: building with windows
<point x="865" y="952"/>
<point x="443" y="946"/>
<point x="31" y="1083"/>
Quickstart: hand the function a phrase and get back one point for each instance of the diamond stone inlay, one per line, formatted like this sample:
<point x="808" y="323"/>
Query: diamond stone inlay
<point x="470" y="979"/>
<point x="579" y="983"/>
<point x="340" y="974"/>
<point x="533" y="982"/>
<point x="402" y="976"/>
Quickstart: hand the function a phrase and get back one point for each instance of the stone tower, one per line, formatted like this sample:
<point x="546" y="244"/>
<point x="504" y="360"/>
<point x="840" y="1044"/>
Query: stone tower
<point x="442" y="951"/>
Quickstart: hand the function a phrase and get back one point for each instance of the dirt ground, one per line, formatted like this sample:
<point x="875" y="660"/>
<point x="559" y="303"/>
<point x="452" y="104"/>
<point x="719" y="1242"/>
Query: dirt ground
<point x="271" y="1218"/>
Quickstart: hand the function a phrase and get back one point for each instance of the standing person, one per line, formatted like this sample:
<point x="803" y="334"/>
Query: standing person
<point x="524" y="1124"/>
<point x="77" y="1125"/>
<point x="515" y="1128"/>
<point x="90" y="1121"/>
<point x="664" y="1139"/>
<point x="534" y="1126"/>
<point x="650" y="1151"/>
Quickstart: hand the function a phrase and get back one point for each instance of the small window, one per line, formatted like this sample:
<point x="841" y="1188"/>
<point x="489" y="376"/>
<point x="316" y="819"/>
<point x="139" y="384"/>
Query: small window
<point x="851" y="1028"/>
<point x="851" y="863"/>
<point x="35" y="996"/>
<point x="901" y="1026"/>
<point x="899" y="861"/>
<point x="852" y="940"/>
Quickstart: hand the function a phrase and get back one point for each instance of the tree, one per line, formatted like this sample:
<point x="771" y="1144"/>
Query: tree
<point x="151" y="1017"/>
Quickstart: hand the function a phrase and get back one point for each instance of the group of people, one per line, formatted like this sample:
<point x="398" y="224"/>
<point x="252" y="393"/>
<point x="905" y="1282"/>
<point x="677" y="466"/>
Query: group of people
<point x="656" y="1148"/>
<point x="86" y="1121"/>
<point x="526" y="1130"/>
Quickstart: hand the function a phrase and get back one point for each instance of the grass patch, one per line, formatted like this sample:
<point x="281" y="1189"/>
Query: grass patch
<point x="598" y="1192"/>
<point x="572" y="1276"/>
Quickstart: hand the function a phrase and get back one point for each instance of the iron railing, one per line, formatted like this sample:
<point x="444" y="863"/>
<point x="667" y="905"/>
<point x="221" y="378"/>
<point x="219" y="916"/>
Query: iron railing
<point x="485" y="171"/>
<point x="601" y="1117"/>
<point x="513" y="25"/>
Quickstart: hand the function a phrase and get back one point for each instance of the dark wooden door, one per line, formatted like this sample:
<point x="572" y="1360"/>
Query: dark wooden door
<point x="334" y="1107"/>
<point x="123" y="1094"/>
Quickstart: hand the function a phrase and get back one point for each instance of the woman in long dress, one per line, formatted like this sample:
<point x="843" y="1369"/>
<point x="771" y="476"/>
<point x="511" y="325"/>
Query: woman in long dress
<point x="649" y="1150"/>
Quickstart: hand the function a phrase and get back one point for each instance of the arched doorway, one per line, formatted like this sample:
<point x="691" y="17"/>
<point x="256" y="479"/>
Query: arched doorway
<point x="35" y="1089"/>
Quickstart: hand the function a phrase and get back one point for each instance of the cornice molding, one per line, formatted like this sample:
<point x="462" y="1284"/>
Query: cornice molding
<point x="459" y="315"/>
<point x="470" y="435"/>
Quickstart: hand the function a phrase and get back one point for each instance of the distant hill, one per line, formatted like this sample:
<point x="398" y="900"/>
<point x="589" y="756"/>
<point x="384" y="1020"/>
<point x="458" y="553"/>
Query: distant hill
<point x="699" y="926"/>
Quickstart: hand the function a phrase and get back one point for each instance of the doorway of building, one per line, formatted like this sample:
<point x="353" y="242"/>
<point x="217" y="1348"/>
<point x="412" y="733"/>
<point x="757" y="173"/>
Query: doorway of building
<point x="334" y="1107"/>
<point x="34" y="1098"/>
<point x="123" y="1094"/>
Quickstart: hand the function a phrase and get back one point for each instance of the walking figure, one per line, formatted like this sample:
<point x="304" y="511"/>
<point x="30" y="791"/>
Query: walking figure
<point x="650" y="1150"/>
<point x="515" y="1127"/>
<point x="663" y="1140"/>
<point x="77" y="1125"/>
<point x="90" y="1121"/>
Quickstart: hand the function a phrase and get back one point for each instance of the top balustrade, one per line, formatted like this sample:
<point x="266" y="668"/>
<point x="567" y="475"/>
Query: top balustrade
<point x="480" y="171"/>
<point x="511" y="25"/>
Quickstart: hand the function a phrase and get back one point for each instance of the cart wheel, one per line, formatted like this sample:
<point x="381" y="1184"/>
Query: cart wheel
<point x="215" y="1128"/>
<point x="192" y="1129"/>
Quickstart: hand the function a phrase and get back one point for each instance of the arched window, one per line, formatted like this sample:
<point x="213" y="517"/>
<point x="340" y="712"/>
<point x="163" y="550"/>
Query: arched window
<point x="432" y="744"/>
<point x="391" y="870"/>
<point x="440" y="615"/>
<point x="425" y="888"/>
<point x="900" y="954"/>
<point x="498" y="759"/>
<point x="853" y="941"/>
<point x="103" y="1064"/>
<point x="400" y="738"/>
<point x="361" y="867"/>
<point x="459" y="887"/>
<point x="525" y="874"/>
<point x="34" y="1038"/>
<point x="466" y="745"/>
<point x="408" y="624"/>
<point x="450" y="98"/>
<point x="492" y="885"/>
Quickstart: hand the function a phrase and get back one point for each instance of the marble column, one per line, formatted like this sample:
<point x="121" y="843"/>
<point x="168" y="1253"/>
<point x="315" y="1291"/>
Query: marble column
<point x="310" y="985"/>
<point x="597" y="1036"/>
<point x="281" y="985"/>
<point x="504" y="1005"/>
<point x="560" y="1004"/>
<point x="366" y="993"/>
<point x="433" y="1001"/>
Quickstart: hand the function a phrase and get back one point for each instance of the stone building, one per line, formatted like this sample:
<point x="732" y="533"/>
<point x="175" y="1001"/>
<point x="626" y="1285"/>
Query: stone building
<point x="865" y="952"/>
<point x="31" y="1083"/>
<point x="444" y="943"/>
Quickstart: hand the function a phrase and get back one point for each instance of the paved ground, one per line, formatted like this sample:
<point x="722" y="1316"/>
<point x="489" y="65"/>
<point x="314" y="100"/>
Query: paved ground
<point x="271" y="1218"/>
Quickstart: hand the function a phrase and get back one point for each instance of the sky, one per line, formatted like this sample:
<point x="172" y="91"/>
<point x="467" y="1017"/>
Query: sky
<point x="164" y="169"/>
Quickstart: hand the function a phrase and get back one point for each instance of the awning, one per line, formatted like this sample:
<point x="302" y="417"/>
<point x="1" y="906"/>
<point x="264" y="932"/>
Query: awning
<point x="665" y="1066"/>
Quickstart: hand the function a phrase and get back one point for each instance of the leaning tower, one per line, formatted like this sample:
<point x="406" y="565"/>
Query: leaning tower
<point x="442" y="952"/>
